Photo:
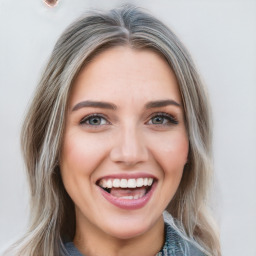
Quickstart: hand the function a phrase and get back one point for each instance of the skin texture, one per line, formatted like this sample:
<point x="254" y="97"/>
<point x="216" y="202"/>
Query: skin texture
<point x="126" y="140"/>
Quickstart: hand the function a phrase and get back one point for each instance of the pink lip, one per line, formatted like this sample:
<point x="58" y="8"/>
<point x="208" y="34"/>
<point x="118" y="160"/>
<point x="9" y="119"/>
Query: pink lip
<point x="129" y="204"/>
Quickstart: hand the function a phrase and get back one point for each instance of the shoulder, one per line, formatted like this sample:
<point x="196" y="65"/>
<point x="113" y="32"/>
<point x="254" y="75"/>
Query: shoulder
<point x="72" y="250"/>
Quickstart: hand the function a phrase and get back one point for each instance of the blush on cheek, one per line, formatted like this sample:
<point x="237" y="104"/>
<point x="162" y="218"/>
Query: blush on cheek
<point x="175" y="151"/>
<point x="82" y="155"/>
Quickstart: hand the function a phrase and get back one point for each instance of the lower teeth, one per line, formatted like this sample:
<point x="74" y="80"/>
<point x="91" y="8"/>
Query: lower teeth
<point x="131" y="197"/>
<point x="125" y="195"/>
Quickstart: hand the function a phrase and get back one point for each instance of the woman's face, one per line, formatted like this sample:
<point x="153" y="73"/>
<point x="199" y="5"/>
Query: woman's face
<point x="125" y="143"/>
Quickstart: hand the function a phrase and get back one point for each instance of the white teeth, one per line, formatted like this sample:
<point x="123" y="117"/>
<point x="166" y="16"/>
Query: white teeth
<point x="140" y="182"/>
<point x="126" y="197"/>
<point x="109" y="184"/>
<point x="126" y="183"/>
<point x="116" y="183"/>
<point x="123" y="183"/>
<point x="150" y="181"/>
<point x="132" y="197"/>
<point x="131" y="183"/>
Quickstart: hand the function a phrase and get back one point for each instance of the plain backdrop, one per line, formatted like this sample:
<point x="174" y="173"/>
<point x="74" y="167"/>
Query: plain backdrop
<point x="221" y="36"/>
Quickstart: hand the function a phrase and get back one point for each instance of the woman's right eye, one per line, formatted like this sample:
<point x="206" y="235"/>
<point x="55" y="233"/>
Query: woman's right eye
<point x="94" y="120"/>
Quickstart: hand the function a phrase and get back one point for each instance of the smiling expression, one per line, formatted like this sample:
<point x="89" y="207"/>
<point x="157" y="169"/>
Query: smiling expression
<point x="125" y="142"/>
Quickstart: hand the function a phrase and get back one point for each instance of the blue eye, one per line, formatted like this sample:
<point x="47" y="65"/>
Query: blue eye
<point x="94" y="120"/>
<point x="162" y="119"/>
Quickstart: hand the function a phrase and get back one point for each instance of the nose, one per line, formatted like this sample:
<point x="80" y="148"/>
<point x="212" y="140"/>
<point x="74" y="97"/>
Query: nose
<point x="129" y="147"/>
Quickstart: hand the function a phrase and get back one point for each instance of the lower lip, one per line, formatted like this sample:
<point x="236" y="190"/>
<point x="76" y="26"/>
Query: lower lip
<point x="129" y="204"/>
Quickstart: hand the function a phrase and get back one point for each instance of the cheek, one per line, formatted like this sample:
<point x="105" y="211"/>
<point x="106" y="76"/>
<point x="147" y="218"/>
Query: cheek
<point x="171" y="152"/>
<point x="81" y="154"/>
<point x="176" y="149"/>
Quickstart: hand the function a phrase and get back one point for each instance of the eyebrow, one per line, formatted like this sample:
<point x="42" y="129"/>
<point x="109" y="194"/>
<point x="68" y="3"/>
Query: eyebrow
<point x="94" y="104"/>
<point x="161" y="103"/>
<point x="107" y="105"/>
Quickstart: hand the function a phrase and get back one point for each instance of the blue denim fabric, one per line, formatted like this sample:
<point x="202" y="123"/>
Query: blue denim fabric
<point x="175" y="245"/>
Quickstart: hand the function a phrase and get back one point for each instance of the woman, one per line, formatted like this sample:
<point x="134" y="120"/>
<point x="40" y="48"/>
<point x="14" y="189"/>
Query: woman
<point x="117" y="133"/>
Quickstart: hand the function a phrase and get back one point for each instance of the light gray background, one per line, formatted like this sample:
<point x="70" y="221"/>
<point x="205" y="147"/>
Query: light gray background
<point x="221" y="36"/>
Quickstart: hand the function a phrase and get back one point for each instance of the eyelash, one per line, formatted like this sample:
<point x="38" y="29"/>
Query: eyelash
<point x="171" y="120"/>
<point x="87" y="118"/>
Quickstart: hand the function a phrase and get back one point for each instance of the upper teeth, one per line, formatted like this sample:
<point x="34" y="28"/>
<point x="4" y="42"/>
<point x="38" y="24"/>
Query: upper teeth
<point x="125" y="183"/>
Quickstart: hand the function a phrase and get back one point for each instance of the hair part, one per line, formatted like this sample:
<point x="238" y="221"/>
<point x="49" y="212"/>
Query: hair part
<point x="52" y="211"/>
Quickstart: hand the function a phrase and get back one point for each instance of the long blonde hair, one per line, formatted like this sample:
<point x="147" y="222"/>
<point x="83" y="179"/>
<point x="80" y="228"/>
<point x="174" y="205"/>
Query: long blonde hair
<point x="52" y="218"/>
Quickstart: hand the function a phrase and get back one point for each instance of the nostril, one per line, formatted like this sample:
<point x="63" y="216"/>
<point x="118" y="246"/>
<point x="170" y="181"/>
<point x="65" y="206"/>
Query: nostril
<point x="51" y="3"/>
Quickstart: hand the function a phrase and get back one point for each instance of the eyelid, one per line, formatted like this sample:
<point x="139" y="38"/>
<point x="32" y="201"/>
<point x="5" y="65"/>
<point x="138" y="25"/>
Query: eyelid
<point x="84" y="119"/>
<point x="171" y="118"/>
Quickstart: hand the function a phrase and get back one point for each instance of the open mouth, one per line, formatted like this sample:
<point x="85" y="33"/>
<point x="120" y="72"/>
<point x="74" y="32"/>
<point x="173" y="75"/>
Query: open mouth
<point x="126" y="188"/>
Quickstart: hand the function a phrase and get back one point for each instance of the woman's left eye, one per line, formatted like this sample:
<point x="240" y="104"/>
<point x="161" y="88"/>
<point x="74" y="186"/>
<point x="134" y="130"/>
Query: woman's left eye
<point x="162" y="119"/>
<point x="94" y="120"/>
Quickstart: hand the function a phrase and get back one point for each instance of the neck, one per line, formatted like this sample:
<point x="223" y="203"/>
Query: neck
<point x="94" y="242"/>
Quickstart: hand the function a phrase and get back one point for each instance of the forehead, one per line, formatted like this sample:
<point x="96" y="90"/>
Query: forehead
<point x="122" y="72"/>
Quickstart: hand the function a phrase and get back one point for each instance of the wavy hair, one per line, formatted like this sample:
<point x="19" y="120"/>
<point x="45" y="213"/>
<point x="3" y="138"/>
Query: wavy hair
<point x="52" y="219"/>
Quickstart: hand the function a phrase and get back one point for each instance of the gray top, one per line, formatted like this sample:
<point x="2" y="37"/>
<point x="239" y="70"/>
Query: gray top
<point x="174" y="245"/>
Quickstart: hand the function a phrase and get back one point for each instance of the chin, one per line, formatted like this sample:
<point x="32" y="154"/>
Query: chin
<point x="127" y="233"/>
<point x="128" y="228"/>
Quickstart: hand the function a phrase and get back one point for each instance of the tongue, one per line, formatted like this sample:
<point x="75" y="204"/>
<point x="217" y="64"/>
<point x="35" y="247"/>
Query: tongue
<point x="120" y="192"/>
